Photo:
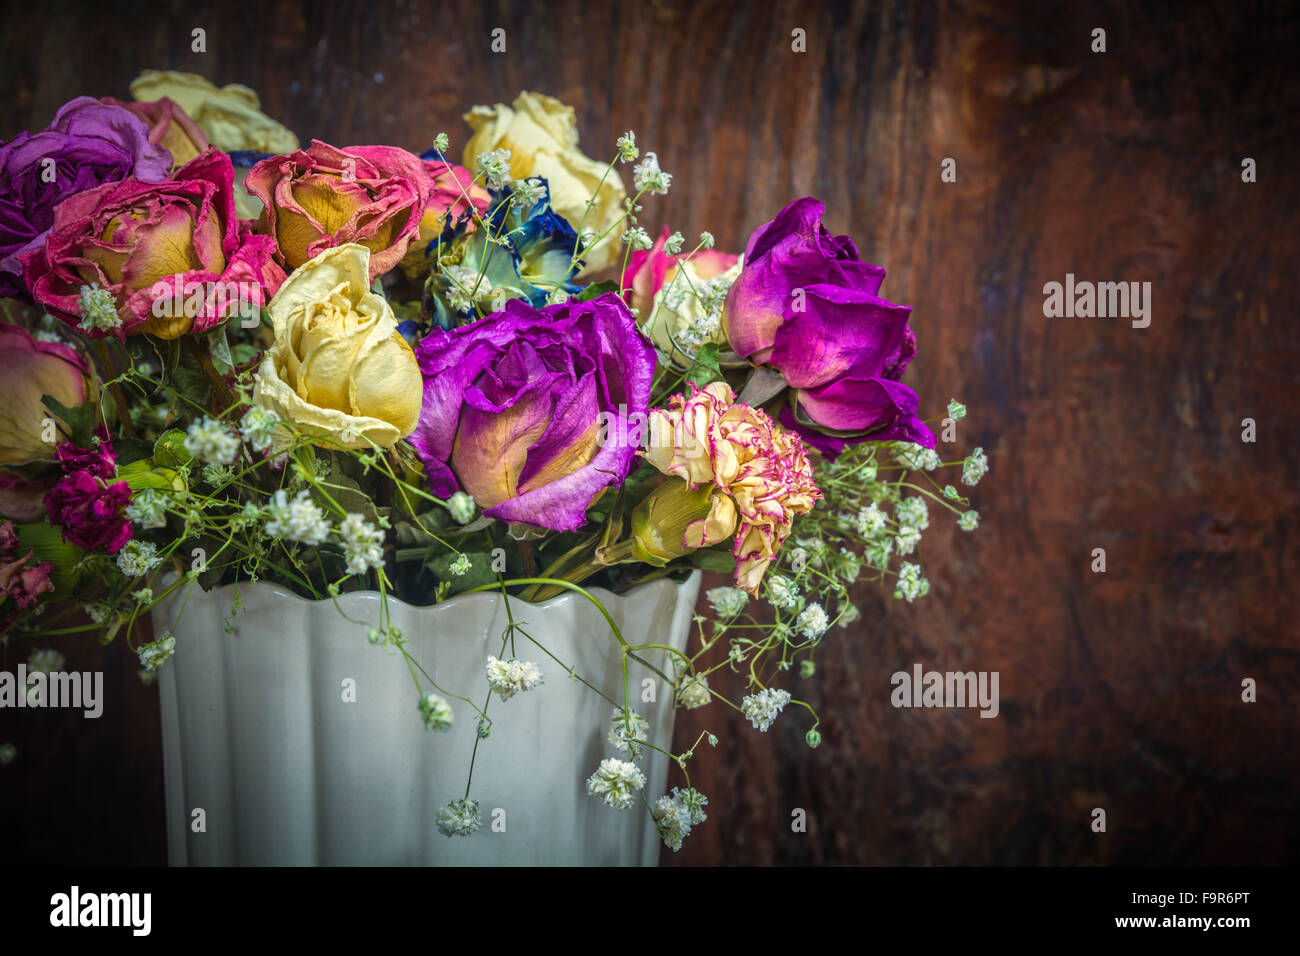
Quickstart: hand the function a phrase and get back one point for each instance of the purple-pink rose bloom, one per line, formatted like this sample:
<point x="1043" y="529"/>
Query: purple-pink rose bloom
<point x="534" y="412"/>
<point x="89" y="143"/>
<point x="807" y="306"/>
<point x="89" y="510"/>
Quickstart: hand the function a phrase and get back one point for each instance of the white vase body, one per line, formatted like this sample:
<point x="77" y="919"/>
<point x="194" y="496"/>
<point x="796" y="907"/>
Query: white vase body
<point x="302" y="743"/>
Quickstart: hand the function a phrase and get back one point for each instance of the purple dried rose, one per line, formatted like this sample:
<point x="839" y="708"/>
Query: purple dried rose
<point x="806" y="306"/>
<point x="88" y="143"/>
<point x="90" y="511"/>
<point x="535" y="412"/>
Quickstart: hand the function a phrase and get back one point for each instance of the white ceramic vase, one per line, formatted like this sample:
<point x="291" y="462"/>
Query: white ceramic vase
<point x="260" y="733"/>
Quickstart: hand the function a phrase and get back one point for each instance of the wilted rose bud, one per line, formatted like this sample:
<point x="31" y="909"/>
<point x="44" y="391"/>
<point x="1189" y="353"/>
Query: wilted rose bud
<point x="674" y="520"/>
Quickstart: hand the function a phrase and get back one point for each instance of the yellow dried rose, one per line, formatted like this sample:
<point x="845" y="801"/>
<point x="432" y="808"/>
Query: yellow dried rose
<point x="541" y="134"/>
<point x="230" y="116"/>
<point x="338" y="365"/>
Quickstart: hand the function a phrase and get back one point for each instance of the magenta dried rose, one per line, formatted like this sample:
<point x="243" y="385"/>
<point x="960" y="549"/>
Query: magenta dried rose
<point x="807" y="306"/>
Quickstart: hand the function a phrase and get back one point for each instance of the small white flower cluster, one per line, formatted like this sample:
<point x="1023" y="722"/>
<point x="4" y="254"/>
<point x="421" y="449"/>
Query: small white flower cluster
<point x="782" y="593"/>
<point x="152" y="655"/>
<point x="956" y="410"/>
<point x="442" y="143"/>
<point x="494" y="167"/>
<point x="673" y="244"/>
<point x="870" y="521"/>
<point x="362" y="544"/>
<point x="727" y="602"/>
<point x="916" y="456"/>
<point x="98" y="310"/>
<point x="258" y="427"/>
<point x="911" y="585"/>
<point x="913" y="517"/>
<point x="211" y="441"/>
<point x="45" y="660"/>
<point x="298" y="520"/>
<point x="975" y="467"/>
<point x="527" y="193"/>
<point x="459" y="818"/>
<point x="812" y="622"/>
<point x="512" y="677"/>
<point x="436" y="712"/>
<point x="461" y="507"/>
<point x="638" y="238"/>
<point x="466" y="286"/>
<point x="461" y="566"/>
<point x="968" y="520"/>
<point x="617" y="782"/>
<point x="762" y="708"/>
<point x="147" y="509"/>
<point x="674" y="815"/>
<point x="628" y="730"/>
<point x="648" y="177"/>
<point x="137" y="558"/>
<point x="627" y="148"/>
<point x="693" y="691"/>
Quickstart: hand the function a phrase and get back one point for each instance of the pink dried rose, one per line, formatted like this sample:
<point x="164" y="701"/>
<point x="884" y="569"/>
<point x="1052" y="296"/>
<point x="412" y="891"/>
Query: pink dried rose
<point x="21" y="580"/>
<point x="323" y="196"/>
<point x="165" y="258"/>
<point x="169" y="127"/>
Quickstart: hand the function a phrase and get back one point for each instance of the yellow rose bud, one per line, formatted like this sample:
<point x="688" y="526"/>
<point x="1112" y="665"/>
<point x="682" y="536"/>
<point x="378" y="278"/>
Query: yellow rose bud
<point x="542" y="136"/>
<point x="338" y="365"/>
<point x="230" y="116"/>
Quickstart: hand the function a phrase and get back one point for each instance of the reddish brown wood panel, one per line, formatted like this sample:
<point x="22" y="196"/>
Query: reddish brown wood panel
<point x="1120" y="690"/>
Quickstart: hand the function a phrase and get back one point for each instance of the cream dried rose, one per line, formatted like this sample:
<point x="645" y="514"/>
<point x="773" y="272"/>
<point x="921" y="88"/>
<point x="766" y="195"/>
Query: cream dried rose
<point x="338" y="365"/>
<point x="542" y="136"/>
<point x="230" y="116"/>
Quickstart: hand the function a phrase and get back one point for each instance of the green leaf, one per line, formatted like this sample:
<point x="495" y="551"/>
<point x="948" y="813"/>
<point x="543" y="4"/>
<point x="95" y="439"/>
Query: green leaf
<point x="80" y="421"/>
<point x="243" y="353"/>
<point x="131" y="450"/>
<point x="595" y="289"/>
<point x="47" y="544"/>
<point x="705" y="367"/>
<point x="219" y="349"/>
<point x="169" y="450"/>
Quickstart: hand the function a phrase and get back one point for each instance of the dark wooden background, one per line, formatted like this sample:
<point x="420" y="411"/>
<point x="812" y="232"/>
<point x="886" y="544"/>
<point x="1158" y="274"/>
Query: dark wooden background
<point x="1119" y="690"/>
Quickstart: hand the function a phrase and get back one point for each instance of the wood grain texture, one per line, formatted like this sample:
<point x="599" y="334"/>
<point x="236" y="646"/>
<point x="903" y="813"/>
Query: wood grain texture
<point x="1119" y="690"/>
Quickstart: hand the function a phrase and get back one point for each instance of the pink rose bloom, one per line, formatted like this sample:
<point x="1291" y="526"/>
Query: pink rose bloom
<point x="322" y="197"/>
<point x="90" y="511"/>
<point x="648" y="271"/>
<point x="32" y="369"/>
<point x="21" y="580"/>
<point x="169" y="127"/>
<point x="155" y="245"/>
